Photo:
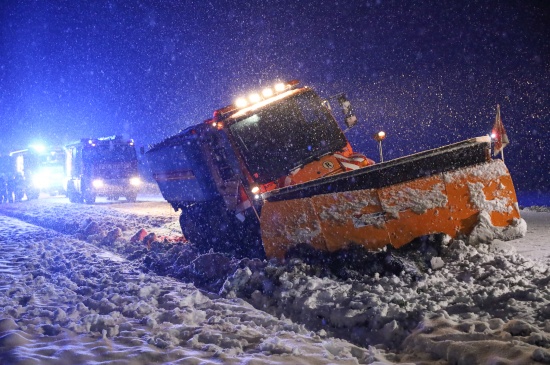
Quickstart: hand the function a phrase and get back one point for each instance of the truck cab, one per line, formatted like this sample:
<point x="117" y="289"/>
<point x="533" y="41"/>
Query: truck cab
<point x="105" y="166"/>
<point x="215" y="172"/>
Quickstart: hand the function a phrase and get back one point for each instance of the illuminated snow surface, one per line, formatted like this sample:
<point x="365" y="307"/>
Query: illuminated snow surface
<point x="75" y="288"/>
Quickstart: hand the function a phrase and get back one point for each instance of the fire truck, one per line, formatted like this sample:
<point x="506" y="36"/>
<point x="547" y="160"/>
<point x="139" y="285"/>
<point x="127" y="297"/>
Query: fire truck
<point x="106" y="166"/>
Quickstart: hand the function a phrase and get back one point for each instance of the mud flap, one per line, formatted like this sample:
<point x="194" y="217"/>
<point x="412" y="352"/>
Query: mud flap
<point x="447" y="202"/>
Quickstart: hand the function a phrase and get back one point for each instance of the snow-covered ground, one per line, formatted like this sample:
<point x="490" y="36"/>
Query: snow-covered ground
<point x="114" y="283"/>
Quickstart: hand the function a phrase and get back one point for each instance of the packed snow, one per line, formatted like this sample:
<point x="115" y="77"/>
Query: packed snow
<point x="116" y="283"/>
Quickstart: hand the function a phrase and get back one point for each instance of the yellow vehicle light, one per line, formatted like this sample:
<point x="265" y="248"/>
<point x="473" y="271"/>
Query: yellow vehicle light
<point x="98" y="183"/>
<point x="267" y="93"/>
<point x="254" y="98"/>
<point x="241" y="102"/>
<point x="135" y="181"/>
<point x="280" y="87"/>
<point x="39" y="182"/>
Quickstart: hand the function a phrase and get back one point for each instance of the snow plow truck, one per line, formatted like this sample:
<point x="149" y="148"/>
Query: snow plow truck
<point x="276" y="170"/>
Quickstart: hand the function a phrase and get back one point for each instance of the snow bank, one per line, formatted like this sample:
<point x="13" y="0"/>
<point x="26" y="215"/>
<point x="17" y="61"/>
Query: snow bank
<point x="460" y="303"/>
<point x="68" y="305"/>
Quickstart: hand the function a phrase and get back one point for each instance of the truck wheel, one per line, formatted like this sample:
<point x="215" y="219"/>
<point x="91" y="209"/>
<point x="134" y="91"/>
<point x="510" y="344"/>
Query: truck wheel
<point x="32" y="194"/>
<point x="204" y="226"/>
<point x="131" y="197"/>
<point x="89" y="198"/>
<point x="74" y="197"/>
<point x="193" y="231"/>
<point x="209" y="226"/>
<point x="72" y="194"/>
<point x="249" y="239"/>
<point x="19" y="196"/>
<point x="204" y="237"/>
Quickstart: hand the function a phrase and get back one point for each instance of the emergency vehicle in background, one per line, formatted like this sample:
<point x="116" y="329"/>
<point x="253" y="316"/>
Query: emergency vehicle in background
<point x="106" y="166"/>
<point x="49" y="174"/>
<point x="12" y="182"/>
<point x="276" y="170"/>
<point x="37" y="169"/>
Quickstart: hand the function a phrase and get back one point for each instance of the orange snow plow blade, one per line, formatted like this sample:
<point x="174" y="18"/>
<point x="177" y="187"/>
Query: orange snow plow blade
<point x="457" y="183"/>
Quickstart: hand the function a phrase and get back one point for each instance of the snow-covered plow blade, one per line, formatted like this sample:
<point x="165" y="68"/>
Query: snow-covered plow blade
<point x="446" y="190"/>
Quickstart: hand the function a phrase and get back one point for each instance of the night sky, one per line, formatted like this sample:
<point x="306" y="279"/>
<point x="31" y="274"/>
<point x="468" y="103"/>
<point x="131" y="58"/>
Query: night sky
<point x="429" y="73"/>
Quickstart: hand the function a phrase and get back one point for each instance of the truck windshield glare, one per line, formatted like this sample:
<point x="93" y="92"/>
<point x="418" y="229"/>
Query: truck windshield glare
<point x="286" y="135"/>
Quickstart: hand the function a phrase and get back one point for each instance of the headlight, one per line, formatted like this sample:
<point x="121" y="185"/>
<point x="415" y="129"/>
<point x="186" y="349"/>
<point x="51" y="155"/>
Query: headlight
<point x="255" y="189"/>
<point x="39" y="182"/>
<point x="135" y="181"/>
<point x="58" y="179"/>
<point x="97" y="183"/>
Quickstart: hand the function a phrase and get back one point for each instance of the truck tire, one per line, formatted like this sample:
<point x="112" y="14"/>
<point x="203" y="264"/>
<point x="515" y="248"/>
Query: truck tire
<point x="75" y="197"/>
<point x="205" y="225"/>
<point x="248" y="236"/>
<point x="33" y="194"/>
<point x="131" y="197"/>
<point x="89" y="198"/>
<point x="72" y="194"/>
<point x="210" y="227"/>
<point x="193" y="232"/>
<point x="19" y="196"/>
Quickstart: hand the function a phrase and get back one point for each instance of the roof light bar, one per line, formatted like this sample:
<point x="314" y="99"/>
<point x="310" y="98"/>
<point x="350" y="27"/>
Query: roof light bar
<point x="266" y="94"/>
<point x="241" y="102"/>
<point x="254" y="98"/>
<point x="280" y="87"/>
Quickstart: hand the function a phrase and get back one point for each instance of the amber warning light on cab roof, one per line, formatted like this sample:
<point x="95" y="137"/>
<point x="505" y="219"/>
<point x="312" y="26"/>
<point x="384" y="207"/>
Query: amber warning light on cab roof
<point x="266" y="93"/>
<point x="251" y="100"/>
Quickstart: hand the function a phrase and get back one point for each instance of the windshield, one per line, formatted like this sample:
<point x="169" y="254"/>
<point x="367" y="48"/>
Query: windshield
<point x="109" y="153"/>
<point x="286" y="135"/>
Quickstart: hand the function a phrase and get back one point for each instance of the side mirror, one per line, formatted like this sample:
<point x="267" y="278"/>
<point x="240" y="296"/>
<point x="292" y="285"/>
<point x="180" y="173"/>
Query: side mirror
<point x="326" y="104"/>
<point x="142" y="150"/>
<point x="351" y="119"/>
